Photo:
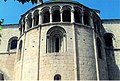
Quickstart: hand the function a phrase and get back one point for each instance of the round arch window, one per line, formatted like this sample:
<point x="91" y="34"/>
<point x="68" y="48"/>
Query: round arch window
<point x="57" y="77"/>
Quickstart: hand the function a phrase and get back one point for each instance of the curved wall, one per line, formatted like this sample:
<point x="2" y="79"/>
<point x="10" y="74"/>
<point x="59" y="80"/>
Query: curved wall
<point x="76" y="62"/>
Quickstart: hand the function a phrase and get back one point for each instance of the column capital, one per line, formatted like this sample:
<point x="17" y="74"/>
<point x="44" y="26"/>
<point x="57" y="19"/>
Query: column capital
<point x="72" y="9"/>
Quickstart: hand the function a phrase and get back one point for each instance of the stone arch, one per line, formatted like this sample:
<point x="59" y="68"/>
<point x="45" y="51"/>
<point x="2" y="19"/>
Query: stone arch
<point x="12" y="43"/>
<point x="36" y="17"/>
<point x="46" y="15"/>
<point x="108" y="39"/>
<point x="66" y="14"/>
<point x="56" y="14"/>
<point x="56" y="40"/>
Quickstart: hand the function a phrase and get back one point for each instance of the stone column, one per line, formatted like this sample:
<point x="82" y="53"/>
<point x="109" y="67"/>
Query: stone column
<point x="72" y="15"/>
<point x="40" y="18"/>
<point x="82" y="19"/>
<point x="50" y="15"/>
<point x="22" y="26"/>
<point x="82" y="14"/>
<point x="32" y="16"/>
<point x="61" y="11"/>
<point x="26" y="23"/>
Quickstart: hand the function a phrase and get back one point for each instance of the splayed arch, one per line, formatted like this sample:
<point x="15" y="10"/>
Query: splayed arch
<point x="56" y="40"/>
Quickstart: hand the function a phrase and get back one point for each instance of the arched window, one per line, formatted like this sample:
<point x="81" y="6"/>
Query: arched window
<point x="108" y="39"/>
<point x="99" y="48"/>
<point x="56" y="14"/>
<point x="57" y="77"/>
<point x="56" y="40"/>
<point x="12" y="43"/>
<point x="86" y="18"/>
<point x="36" y="18"/>
<point x="66" y="15"/>
<point x="46" y="15"/>
<point x="20" y="50"/>
<point x="1" y="77"/>
<point x="30" y="20"/>
<point x="77" y="15"/>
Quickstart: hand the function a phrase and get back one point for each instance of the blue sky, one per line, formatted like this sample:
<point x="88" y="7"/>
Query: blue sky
<point x="12" y="9"/>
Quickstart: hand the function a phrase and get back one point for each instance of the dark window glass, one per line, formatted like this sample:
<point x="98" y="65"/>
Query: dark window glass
<point x="13" y="44"/>
<point x="57" y="44"/>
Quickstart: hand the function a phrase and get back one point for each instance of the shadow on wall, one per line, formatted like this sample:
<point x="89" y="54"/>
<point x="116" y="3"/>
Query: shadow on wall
<point x="113" y="69"/>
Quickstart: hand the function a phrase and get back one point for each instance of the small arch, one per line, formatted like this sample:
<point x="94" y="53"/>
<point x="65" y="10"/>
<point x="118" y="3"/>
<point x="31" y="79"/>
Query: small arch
<point x="66" y="15"/>
<point x="86" y="18"/>
<point x="29" y="20"/>
<point x="99" y="48"/>
<point x="36" y="17"/>
<point x="56" y="14"/>
<point x="77" y="15"/>
<point x="46" y="15"/>
<point x="57" y="77"/>
<point x="56" y="40"/>
<point x="108" y="38"/>
<point x="12" y="43"/>
<point x="20" y="50"/>
<point x="1" y="77"/>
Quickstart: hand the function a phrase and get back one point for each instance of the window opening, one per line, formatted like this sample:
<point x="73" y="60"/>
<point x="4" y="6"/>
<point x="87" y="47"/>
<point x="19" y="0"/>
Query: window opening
<point x="56" y="40"/>
<point x="30" y="21"/>
<point x="77" y="16"/>
<point x="66" y="16"/>
<point x="57" y="44"/>
<point x="86" y="19"/>
<point x="56" y="16"/>
<point x="57" y="77"/>
<point x="46" y="17"/>
<point x="13" y="44"/>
